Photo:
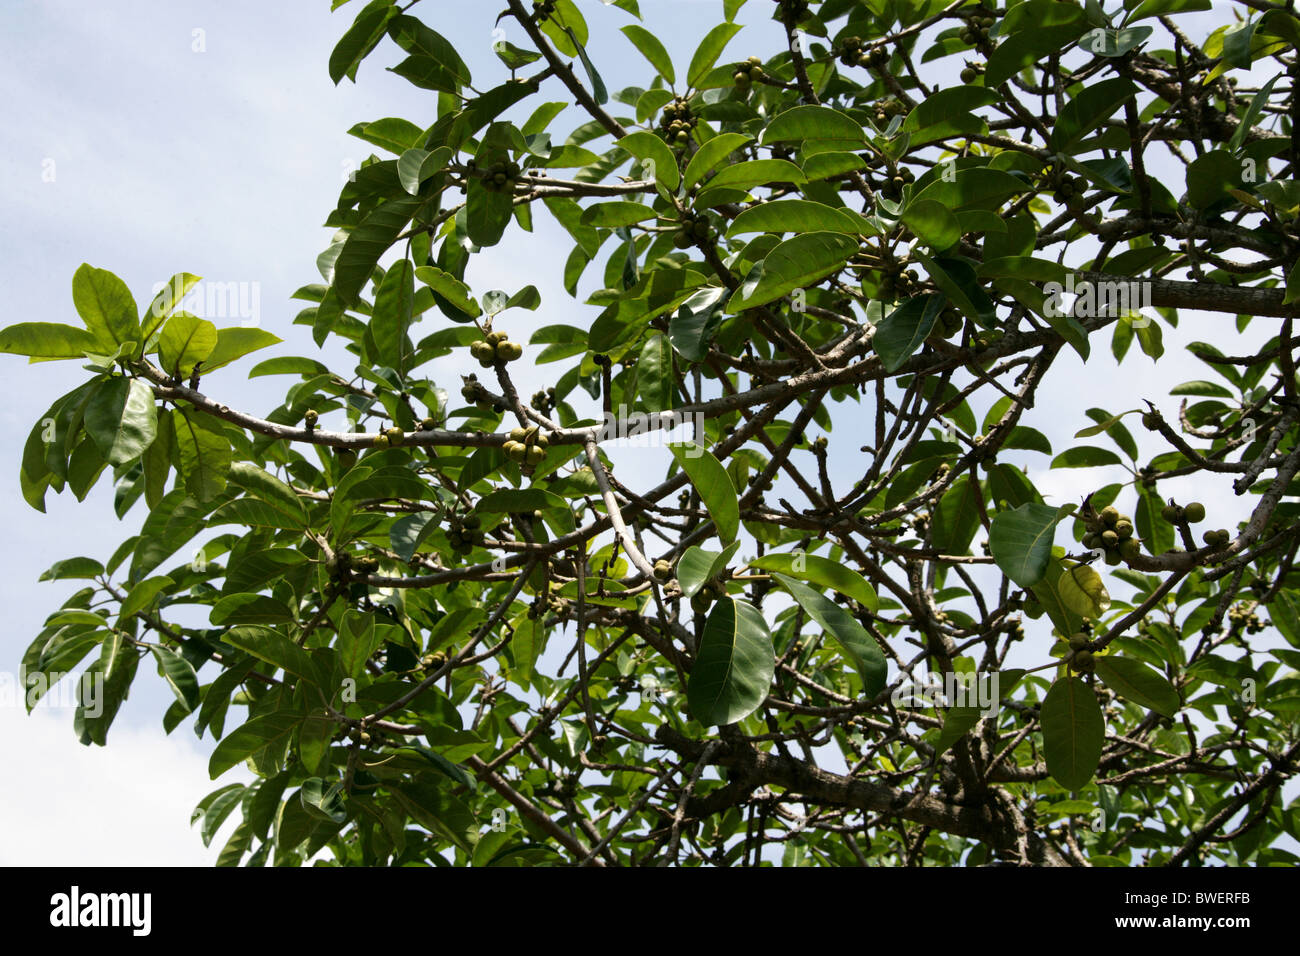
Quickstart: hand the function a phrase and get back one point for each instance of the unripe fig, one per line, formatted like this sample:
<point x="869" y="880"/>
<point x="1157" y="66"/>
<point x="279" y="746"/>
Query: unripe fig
<point x="1194" y="512"/>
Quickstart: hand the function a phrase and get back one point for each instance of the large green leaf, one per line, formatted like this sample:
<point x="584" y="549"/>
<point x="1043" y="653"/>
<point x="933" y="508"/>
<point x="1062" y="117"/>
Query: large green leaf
<point x="178" y="673"/>
<point x="1083" y="591"/>
<point x="1073" y="732"/>
<point x="105" y="304"/>
<point x="816" y="124"/>
<point x="793" y="215"/>
<point x="714" y="486"/>
<point x="903" y="330"/>
<point x="657" y="161"/>
<point x="47" y="340"/>
<point x="860" y="648"/>
<point x="242" y="742"/>
<point x="1138" y="682"/>
<point x="823" y="572"/>
<point x="796" y="263"/>
<point x="734" y="664"/>
<point x="204" y="452"/>
<point x="185" y="341"/>
<point x="367" y="242"/>
<point x="392" y="316"/>
<point x="235" y="343"/>
<point x="122" y="419"/>
<point x="649" y="46"/>
<point x="366" y="31"/>
<point x="710" y="48"/>
<point x="1021" y="541"/>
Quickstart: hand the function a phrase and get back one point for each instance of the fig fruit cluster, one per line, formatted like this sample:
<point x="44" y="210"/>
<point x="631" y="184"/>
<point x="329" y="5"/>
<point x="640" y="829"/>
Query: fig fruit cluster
<point x="694" y="229"/>
<point x="1082" y="660"/>
<point x="977" y="30"/>
<point x="496" y="347"/>
<point x="1113" y="533"/>
<point x="1243" y="618"/>
<point x="526" y="446"/>
<point x="465" y="534"/>
<point x="893" y="186"/>
<point x="502" y="176"/>
<point x="677" y="122"/>
<point x="748" y="73"/>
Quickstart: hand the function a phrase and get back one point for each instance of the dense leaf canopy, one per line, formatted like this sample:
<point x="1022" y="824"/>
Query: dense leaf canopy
<point x="454" y="635"/>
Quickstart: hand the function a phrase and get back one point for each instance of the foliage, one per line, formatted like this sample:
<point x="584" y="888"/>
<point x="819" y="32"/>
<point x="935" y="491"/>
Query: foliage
<point x="835" y="241"/>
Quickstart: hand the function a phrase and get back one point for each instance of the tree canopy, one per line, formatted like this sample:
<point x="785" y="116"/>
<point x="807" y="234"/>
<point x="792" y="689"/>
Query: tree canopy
<point x="842" y="626"/>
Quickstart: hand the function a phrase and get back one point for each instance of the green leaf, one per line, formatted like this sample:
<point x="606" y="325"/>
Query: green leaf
<point x="321" y="801"/>
<point x="433" y="60"/>
<point x="657" y="160"/>
<point x="450" y="288"/>
<point x="757" y="172"/>
<point x="185" y="341"/>
<point x="367" y="242"/>
<point x="656" y="386"/>
<point x="1083" y="591"/>
<point x="366" y="31"/>
<point x="235" y="343"/>
<point x="1157" y="8"/>
<point x="933" y="223"/>
<point x="796" y="263"/>
<point x="392" y="316"/>
<point x="1107" y="42"/>
<point x="242" y="742"/>
<point x="598" y="91"/>
<point x="649" y="47"/>
<point x="72" y="568"/>
<point x="824" y="573"/>
<point x="168" y="299"/>
<point x="1028" y="47"/>
<point x="898" y="337"/>
<point x="142" y="595"/>
<point x="815" y="125"/>
<point x="710" y="48"/>
<point x="1085" y="456"/>
<point x="122" y="419"/>
<point x="204" y="452"/>
<point x="268" y="644"/>
<point x="860" y="648"/>
<point x="609" y="215"/>
<point x="734" y="664"/>
<point x="179" y="675"/>
<point x="793" y="215"/>
<point x="105" y="304"/>
<point x="1021" y="541"/>
<point x="710" y="154"/>
<point x="1073" y="732"/>
<point x="414" y="166"/>
<point x="1138" y="682"/>
<point x="357" y="643"/>
<point x="697" y="566"/>
<point x="1092" y="106"/>
<point x="714" y="486"/>
<point x="47" y="340"/>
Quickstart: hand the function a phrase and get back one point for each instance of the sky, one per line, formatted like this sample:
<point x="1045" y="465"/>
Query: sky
<point x="151" y="139"/>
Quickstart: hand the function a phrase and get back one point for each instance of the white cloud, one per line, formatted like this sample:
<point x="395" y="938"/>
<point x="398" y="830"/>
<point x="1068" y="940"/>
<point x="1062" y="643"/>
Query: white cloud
<point x="129" y="804"/>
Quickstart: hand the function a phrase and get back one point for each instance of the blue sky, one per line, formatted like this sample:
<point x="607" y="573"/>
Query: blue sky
<point x="151" y="139"/>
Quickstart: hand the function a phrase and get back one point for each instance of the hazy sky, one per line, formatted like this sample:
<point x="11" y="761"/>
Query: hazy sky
<point x="155" y="138"/>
